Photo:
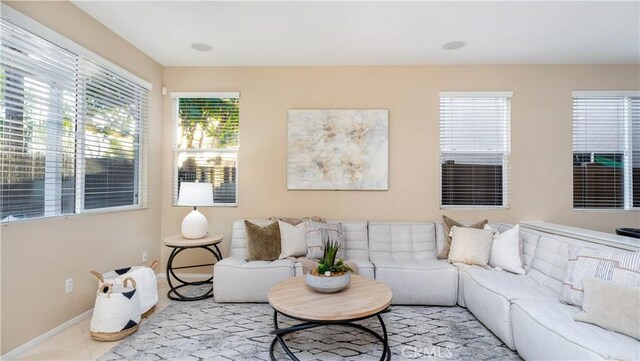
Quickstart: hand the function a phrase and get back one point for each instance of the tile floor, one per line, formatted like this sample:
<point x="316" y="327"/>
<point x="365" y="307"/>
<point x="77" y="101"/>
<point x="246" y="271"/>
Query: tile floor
<point x="75" y="343"/>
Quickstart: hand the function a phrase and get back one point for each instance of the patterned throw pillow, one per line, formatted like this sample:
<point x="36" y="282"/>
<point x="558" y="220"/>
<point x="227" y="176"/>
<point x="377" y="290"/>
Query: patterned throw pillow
<point x="616" y="266"/>
<point x="297" y="221"/>
<point x="470" y="245"/>
<point x="448" y="224"/>
<point x="315" y="244"/>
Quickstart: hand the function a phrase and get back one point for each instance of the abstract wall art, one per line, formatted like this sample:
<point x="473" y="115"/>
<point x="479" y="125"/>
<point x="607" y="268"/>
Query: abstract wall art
<point x="338" y="149"/>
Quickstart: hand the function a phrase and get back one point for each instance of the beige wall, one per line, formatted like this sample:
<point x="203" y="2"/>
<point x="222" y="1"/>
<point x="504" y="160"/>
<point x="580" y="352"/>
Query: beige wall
<point x="38" y="256"/>
<point x="540" y="132"/>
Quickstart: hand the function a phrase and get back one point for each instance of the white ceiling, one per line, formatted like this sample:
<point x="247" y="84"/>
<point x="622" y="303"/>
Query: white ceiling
<point x="376" y="33"/>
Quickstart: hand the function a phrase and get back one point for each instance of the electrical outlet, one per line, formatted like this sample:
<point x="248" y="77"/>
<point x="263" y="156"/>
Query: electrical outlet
<point x="68" y="286"/>
<point x="144" y="256"/>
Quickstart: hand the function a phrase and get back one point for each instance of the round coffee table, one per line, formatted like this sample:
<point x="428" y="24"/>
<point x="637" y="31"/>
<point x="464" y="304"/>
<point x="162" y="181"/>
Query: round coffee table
<point x="362" y="299"/>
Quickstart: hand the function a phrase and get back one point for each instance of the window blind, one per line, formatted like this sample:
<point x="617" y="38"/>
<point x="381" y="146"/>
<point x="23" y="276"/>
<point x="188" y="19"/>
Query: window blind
<point x="71" y="130"/>
<point x="606" y="150"/>
<point x="112" y="130"/>
<point x="206" y="148"/>
<point x="474" y="149"/>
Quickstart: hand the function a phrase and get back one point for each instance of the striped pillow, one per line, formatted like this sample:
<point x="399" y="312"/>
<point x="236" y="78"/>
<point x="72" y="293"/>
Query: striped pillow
<point x="616" y="266"/>
<point x="315" y="244"/>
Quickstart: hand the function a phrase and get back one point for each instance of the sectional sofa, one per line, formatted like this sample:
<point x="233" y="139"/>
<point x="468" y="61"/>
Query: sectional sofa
<point x="524" y="311"/>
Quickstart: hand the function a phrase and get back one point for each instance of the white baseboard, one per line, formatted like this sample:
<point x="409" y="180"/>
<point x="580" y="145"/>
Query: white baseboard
<point x="45" y="336"/>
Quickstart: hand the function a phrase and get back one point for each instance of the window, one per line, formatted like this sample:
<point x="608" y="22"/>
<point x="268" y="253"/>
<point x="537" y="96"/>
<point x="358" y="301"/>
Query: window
<point x="72" y="126"/>
<point x="606" y="150"/>
<point x="206" y="147"/>
<point x="474" y="149"/>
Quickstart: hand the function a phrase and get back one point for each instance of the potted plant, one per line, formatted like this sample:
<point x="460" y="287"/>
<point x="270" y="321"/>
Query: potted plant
<point x="330" y="275"/>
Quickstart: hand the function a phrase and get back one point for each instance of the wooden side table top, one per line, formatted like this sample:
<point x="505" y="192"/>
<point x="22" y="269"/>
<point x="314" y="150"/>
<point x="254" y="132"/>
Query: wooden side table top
<point x="363" y="297"/>
<point x="179" y="241"/>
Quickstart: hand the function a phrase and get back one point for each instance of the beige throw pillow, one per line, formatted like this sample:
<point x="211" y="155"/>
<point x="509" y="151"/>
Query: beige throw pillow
<point x="263" y="243"/>
<point x="293" y="240"/>
<point x="612" y="306"/>
<point x="470" y="245"/>
<point x="449" y="223"/>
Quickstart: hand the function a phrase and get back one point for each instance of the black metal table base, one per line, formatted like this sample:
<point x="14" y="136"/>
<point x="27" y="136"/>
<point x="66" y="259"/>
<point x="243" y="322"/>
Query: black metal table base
<point x="307" y="324"/>
<point x="173" y="293"/>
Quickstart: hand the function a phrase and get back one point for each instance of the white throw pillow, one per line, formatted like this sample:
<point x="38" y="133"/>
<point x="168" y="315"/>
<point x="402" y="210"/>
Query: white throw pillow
<point x="470" y="245"/>
<point x="293" y="240"/>
<point x="505" y="250"/>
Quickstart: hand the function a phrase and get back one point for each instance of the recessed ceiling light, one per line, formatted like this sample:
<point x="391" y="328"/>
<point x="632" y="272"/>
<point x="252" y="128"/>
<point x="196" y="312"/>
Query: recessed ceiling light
<point x="201" y="47"/>
<point x="453" y="45"/>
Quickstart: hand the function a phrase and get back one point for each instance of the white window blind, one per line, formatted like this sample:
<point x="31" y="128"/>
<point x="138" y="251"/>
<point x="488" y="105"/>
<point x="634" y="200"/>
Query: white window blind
<point x="474" y="149"/>
<point x="206" y="147"/>
<point x="606" y="150"/>
<point x="71" y="130"/>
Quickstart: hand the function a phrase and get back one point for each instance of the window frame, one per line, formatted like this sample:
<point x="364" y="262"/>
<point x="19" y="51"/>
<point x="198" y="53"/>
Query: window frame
<point x="141" y="162"/>
<point x="627" y="154"/>
<point x="506" y="154"/>
<point x="175" y="98"/>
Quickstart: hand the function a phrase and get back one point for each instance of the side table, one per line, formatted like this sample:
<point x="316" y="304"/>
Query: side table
<point x="179" y="244"/>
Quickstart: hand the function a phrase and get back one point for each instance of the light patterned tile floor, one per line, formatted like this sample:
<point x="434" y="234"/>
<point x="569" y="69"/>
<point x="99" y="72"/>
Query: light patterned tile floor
<point x="75" y="343"/>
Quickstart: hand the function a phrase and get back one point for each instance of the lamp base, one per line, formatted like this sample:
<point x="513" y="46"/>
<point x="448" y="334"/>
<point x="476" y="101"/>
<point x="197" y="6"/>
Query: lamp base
<point x="194" y="225"/>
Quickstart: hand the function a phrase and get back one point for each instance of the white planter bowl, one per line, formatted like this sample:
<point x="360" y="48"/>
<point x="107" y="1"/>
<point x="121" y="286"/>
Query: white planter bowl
<point x="324" y="284"/>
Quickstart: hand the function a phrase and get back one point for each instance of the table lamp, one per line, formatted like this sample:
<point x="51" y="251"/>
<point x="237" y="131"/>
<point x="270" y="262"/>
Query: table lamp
<point x="195" y="224"/>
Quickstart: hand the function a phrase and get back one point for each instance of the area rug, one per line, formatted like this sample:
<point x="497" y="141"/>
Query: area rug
<point x="205" y="330"/>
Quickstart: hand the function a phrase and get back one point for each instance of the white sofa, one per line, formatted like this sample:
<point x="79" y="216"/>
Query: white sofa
<point x="237" y="280"/>
<point x="524" y="311"/>
<point x="252" y="280"/>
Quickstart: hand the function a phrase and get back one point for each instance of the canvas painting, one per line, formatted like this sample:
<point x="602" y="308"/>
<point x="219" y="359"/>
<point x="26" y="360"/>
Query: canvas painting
<point x="338" y="149"/>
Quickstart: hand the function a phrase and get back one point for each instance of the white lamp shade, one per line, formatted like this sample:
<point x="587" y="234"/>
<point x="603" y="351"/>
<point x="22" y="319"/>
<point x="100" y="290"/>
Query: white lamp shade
<point x="195" y="194"/>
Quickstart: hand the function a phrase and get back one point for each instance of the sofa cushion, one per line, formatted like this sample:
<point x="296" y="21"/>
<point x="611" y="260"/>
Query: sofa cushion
<point x="236" y="280"/>
<point x="608" y="264"/>
<point x="546" y="330"/>
<point x="488" y="294"/>
<point x="512" y="286"/>
<point x="402" y="242"/>
<point x="529" y="241"/>
<point x="549" y="264"/>
<point x="356" y="239"/>
<point x="433" y="282"/>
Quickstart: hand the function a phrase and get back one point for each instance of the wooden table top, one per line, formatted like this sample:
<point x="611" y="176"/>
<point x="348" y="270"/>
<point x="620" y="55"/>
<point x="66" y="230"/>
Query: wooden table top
<point x="363" y="297"/>
<point x="179" y="241"/>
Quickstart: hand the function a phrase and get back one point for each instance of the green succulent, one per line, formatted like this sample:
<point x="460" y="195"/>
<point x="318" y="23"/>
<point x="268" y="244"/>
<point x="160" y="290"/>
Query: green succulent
<point x="328" y="261"/>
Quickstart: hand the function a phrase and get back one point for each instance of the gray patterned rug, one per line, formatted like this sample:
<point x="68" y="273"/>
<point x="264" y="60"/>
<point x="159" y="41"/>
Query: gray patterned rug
<point x="205" y="330"/>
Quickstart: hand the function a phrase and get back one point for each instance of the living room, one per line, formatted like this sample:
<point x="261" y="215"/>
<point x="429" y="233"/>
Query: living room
<point x="537" y="68"/>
